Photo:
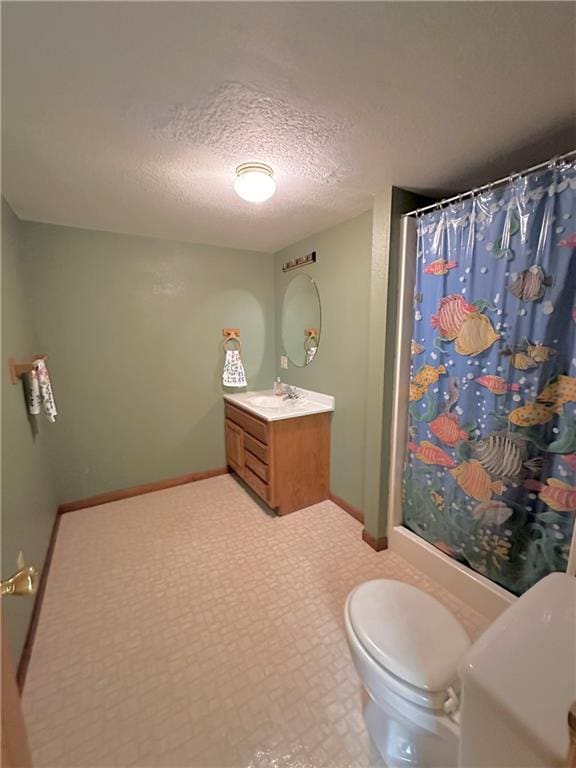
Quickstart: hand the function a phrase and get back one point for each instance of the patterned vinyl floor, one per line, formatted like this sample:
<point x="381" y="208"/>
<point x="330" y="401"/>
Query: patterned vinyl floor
<point x="190" y="628"/>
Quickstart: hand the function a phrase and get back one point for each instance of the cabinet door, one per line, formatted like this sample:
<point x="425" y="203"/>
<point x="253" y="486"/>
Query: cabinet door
<point x="235" y="447"/>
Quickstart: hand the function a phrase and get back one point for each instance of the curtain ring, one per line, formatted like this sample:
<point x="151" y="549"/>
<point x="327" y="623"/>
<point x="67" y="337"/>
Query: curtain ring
<point x="490" y="191"/>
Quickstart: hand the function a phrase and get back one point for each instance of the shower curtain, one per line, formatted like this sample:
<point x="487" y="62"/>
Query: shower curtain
<point x="490" y="470"/>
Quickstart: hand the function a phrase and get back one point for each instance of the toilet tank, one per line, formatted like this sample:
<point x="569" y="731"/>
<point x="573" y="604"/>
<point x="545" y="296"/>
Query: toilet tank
<point x="519" y="681"/>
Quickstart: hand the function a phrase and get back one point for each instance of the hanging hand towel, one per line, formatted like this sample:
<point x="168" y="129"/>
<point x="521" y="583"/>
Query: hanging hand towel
<point x="311" y="353"/>
<point x="34" y="399"/>
<point x="233" y="374"/>
<point x="40" y="392"/>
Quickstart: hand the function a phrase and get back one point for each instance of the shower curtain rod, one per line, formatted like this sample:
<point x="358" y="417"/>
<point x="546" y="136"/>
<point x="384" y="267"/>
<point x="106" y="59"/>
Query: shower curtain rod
<point x="476" y="190"/>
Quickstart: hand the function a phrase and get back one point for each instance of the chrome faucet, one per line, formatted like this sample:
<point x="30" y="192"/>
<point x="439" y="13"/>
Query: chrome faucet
<point x="290" y="393"/>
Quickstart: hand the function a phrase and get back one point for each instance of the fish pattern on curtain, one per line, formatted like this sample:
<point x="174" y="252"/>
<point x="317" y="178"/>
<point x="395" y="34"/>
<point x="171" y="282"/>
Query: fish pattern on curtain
<point x="490" y="469"/>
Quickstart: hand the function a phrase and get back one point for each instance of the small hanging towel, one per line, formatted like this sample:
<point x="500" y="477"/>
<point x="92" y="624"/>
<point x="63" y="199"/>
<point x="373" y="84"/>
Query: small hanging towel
<point x="311" y="353"/>
<point x="233" y="374"/>
<point x="310" y="344"/>
<point x="34" y="399"/>
<point x="40" y="396"/>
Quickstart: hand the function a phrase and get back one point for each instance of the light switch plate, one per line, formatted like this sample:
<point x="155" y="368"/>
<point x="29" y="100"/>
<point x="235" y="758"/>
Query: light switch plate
<point x="283" y="361"/>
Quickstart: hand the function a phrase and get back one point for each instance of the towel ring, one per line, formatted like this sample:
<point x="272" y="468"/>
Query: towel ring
<point x="231" y="334"/>
<point x="311" y="335"/>
<point x="228" y="340"/>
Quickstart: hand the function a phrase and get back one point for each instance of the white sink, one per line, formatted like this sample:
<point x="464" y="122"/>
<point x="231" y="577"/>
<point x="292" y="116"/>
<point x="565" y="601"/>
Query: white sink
<point x="269" y="401"/>
<point x="270" y="407"/>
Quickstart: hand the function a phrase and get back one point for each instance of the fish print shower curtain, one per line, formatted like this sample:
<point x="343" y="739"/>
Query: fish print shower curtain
<point x="491" y="461"/>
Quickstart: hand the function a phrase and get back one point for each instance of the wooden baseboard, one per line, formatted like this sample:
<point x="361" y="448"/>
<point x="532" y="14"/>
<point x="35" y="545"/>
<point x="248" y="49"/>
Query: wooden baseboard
<point x="31" y="634"/>
<point x="357" y="514"/>
<point x="377" y="544"/>
<point x="139" y="490"/>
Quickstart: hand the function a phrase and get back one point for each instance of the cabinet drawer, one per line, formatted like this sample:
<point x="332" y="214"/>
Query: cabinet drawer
<point x="256" y="466"/>
<point x="256" y="484"/>
<point x="250" y="424"/>
<point x="257" y="448"/>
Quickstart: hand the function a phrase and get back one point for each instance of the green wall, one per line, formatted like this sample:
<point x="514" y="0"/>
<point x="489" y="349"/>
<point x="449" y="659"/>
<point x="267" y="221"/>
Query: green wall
<point x="133" y="330"/>
<point x="388" y="207"/>
<point x="28" y="496"/>
<point x="342" y="274"/>
<point x="379" y="359"/>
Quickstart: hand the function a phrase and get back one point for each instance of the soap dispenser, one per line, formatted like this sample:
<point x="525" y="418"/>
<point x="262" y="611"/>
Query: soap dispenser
<point x="278" y="387"/>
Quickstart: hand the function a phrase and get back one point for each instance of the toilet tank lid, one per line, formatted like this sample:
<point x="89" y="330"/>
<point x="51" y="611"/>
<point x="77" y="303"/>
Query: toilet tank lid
<point x="408" y="632"/>
<point x="525" y="664"/>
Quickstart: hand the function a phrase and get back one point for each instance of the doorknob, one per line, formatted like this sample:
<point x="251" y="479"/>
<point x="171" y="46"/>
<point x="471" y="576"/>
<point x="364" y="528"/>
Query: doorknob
<point x="23" y="582"/>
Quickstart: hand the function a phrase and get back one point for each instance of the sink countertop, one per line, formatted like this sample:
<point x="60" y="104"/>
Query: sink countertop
<point x="308" y="404"/>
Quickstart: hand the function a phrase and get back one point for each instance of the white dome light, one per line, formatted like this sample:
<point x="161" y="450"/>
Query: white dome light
<point x="254" y="182"/>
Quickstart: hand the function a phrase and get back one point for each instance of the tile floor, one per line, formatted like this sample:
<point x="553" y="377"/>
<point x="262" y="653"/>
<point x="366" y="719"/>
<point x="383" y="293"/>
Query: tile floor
<point x="190" y="628"/>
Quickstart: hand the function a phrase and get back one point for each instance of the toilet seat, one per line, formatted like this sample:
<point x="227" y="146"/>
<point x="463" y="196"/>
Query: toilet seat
<point x="412" y="640"/>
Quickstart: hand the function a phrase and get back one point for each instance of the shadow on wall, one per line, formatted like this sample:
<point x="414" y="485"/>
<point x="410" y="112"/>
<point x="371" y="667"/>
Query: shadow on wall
<point x="198" y="444"/>
<point x="32" y="420"/>
<point x="133" y="329"/>
<point x="242" y="309"/>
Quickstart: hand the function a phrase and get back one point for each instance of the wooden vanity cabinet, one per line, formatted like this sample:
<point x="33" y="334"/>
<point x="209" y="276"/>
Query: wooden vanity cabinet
<point x="235" y="446"/>
<point x="286" y="462"/>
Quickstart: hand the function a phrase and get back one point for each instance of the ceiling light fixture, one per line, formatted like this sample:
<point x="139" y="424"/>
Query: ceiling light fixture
<point x="254" y="182"/>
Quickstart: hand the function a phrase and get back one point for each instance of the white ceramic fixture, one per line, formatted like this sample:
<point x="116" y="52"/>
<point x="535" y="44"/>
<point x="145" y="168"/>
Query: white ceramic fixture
<point x="254" y="182"/>
<point x="270" y="401"/>
<point x="517" y="681"/>
<point x="271" y="407"/>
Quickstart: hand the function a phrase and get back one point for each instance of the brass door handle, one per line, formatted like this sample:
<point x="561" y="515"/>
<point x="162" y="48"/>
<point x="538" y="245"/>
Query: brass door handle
<point x="23" y="582"/>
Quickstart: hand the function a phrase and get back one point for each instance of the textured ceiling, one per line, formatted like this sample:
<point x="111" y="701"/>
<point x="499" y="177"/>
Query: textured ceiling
<point x="132" y="117"/>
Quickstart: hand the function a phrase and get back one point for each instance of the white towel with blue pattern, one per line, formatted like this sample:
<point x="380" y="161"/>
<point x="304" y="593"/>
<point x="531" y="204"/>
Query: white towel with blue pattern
<point x="40" y="395"/>
<point x="233" y="374"/>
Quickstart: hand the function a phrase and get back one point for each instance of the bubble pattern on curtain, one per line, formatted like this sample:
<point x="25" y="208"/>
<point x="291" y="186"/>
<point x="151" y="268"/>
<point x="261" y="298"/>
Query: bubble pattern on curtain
<point x="490" y="473"/>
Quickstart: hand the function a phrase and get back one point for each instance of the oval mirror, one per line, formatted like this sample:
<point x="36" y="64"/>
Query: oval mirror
<point x="301" y="320"/>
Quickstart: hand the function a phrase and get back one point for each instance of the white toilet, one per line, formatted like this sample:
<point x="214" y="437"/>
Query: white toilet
<point x="436" y="700"/>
